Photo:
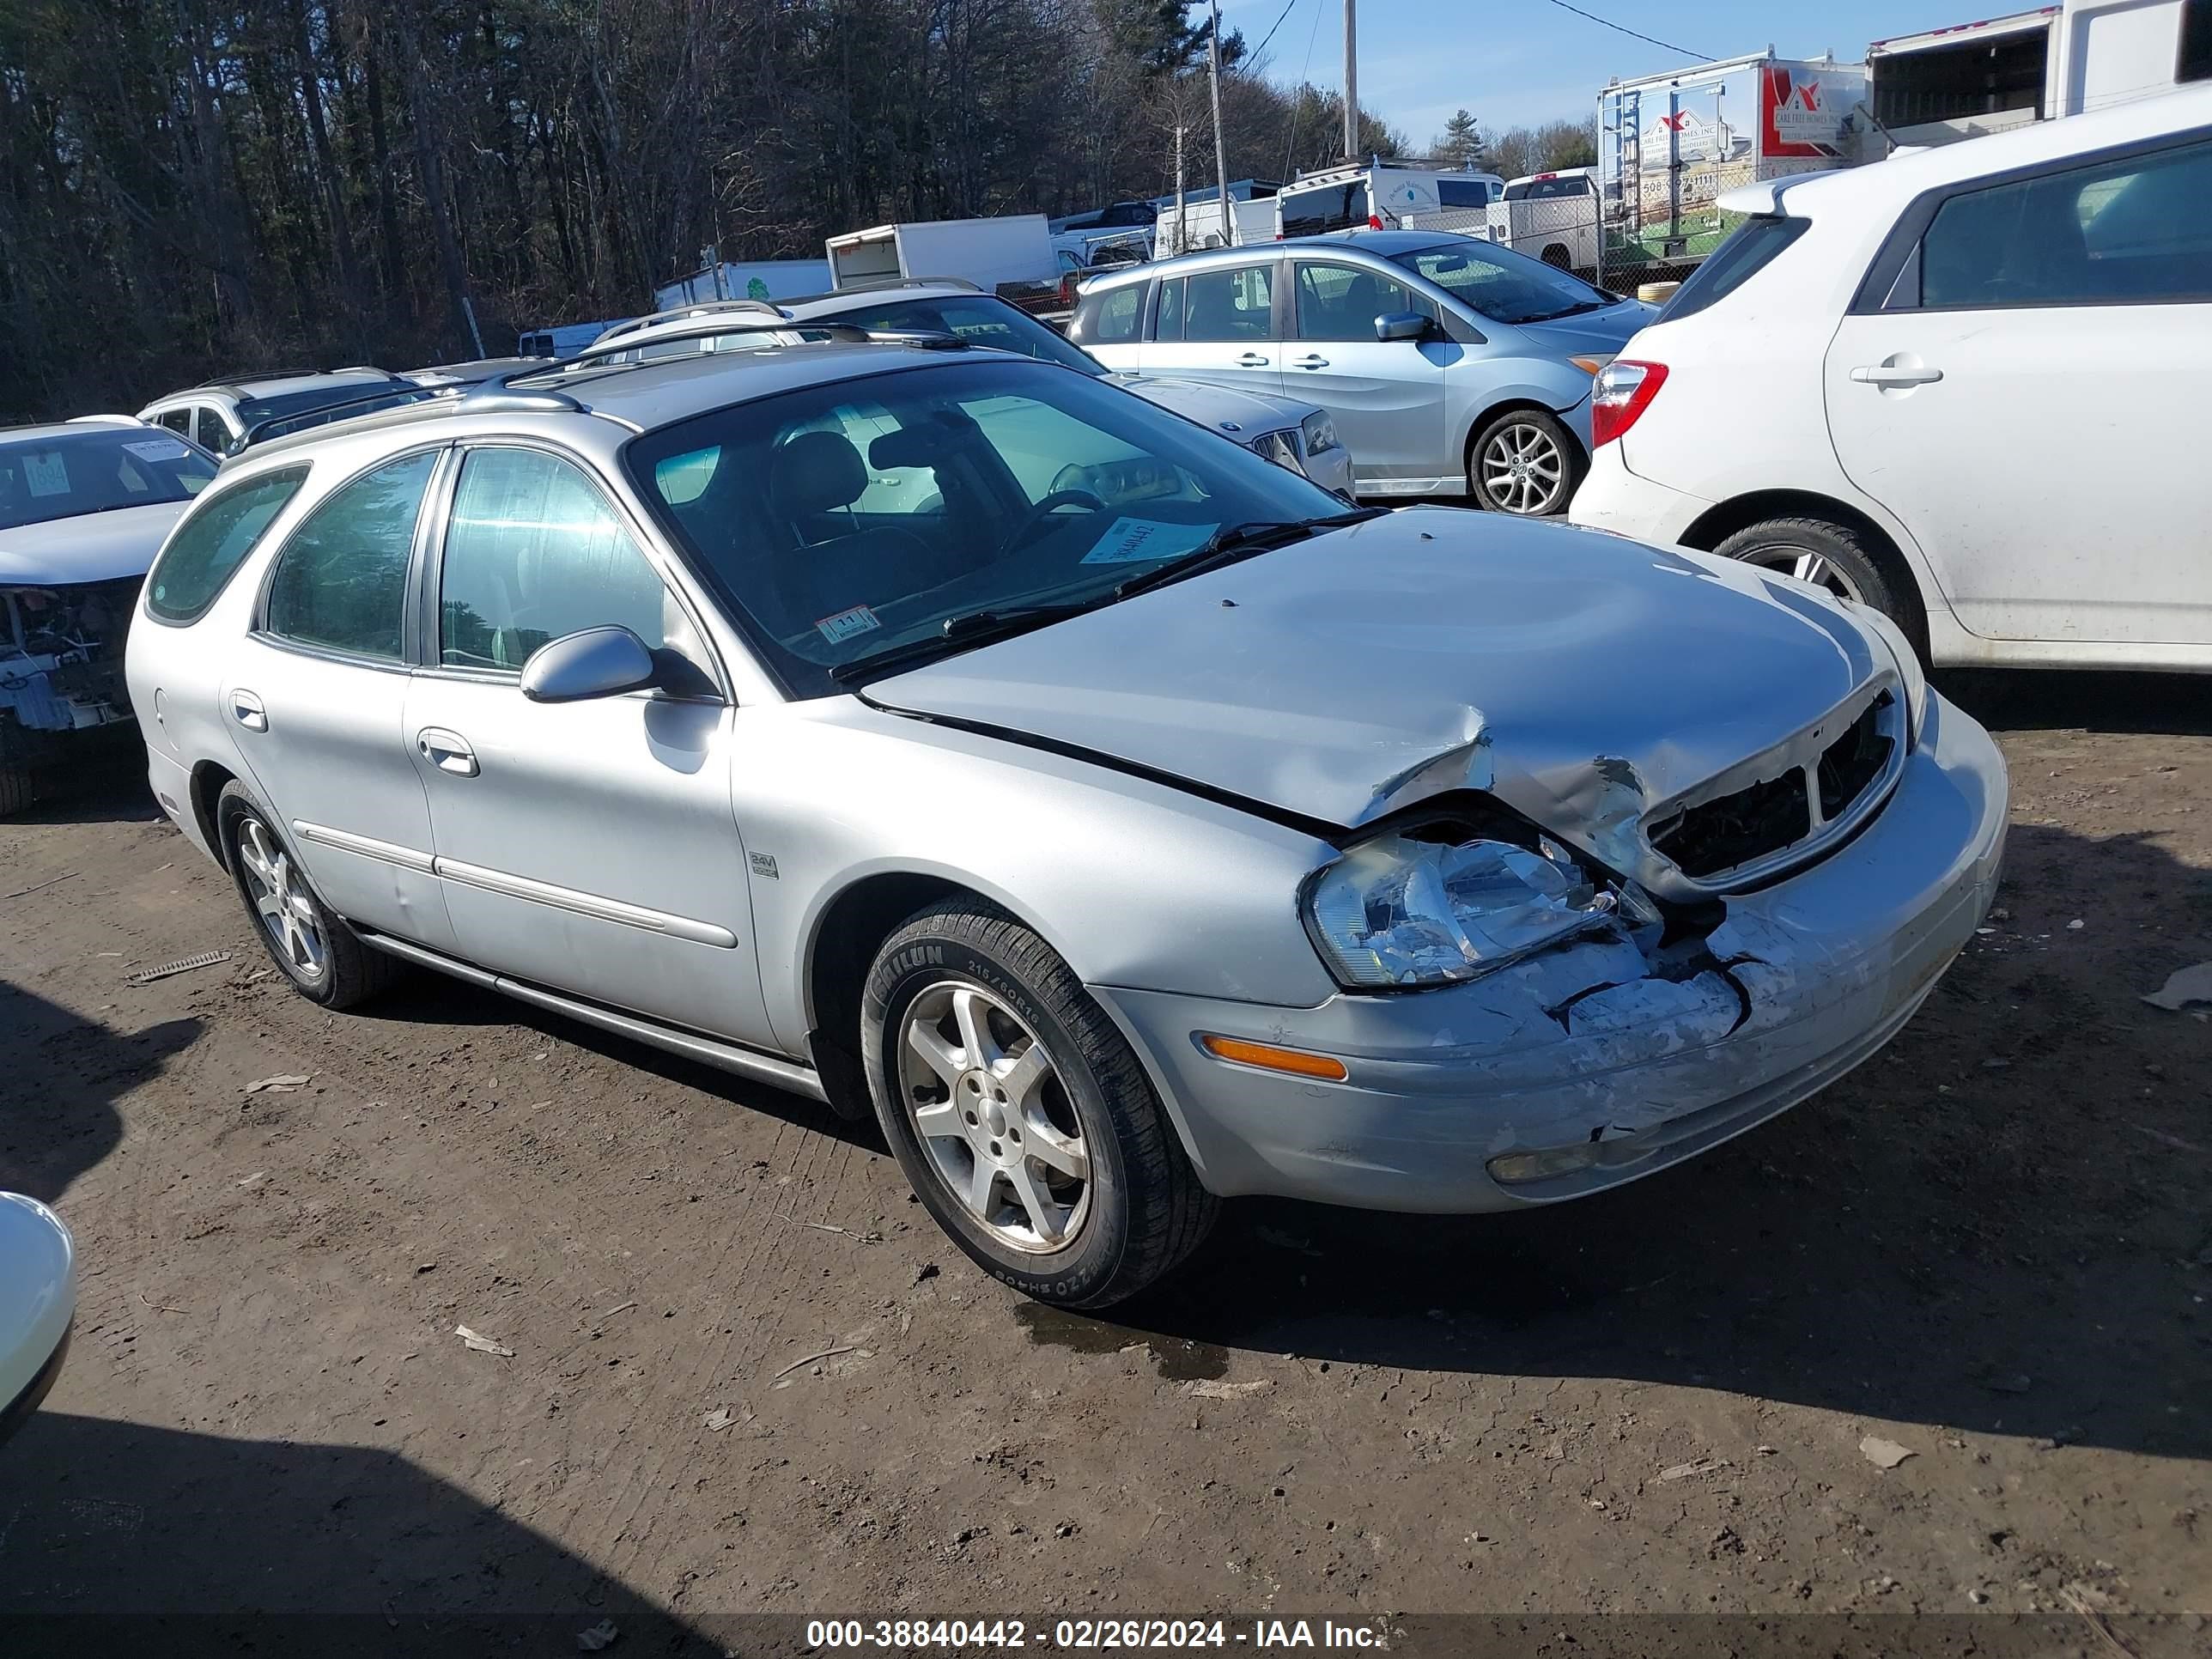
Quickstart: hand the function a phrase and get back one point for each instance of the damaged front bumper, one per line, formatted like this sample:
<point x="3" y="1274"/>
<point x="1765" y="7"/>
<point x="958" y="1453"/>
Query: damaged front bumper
<point x="1580" y="1068"/>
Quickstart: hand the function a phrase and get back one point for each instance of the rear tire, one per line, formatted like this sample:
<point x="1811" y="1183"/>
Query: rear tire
<point x="326" y="960"/>
<point x="1021" y="1115"/>
<point x="19" y="784"/>
<point x="1835" y="557"/>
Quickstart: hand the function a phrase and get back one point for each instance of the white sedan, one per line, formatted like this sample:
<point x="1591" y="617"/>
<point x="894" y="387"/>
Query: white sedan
<point x="1957" y="386"/>
<point x="38" y="1301"/>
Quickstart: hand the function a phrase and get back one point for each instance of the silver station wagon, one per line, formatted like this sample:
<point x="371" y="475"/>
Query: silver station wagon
<point x="953" y="736"/>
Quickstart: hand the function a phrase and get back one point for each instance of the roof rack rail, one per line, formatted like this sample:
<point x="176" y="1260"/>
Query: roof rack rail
<point x="880" y="284"/>
<point x="251" y="375"/>
<point x="695" y="308"/>
<point x="285" y="426"/>
<point x="593" y="355"/>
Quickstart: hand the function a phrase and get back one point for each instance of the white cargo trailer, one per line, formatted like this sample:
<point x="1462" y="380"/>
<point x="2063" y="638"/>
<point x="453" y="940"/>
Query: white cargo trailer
<point x="989" y="252"/>
<point x="1668" y="146"/>
<point x="1941" y="85"/>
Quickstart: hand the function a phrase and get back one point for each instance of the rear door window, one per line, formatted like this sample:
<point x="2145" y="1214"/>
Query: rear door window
<point x="341" y="582"/>
<point x="2129" y="232"/>
<point x="1235" y="304"/>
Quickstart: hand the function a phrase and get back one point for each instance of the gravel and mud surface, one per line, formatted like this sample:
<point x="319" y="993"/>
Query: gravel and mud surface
<point x="749" y="1375"/>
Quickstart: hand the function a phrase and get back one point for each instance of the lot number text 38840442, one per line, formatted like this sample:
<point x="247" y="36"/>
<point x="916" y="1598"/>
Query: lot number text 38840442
<point x="903" y="1634"/>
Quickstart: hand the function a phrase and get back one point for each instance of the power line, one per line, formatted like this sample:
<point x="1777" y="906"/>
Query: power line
<point x="1270" y="35"/>
<point x="1651" y="39"/>
<point x="1304" y="68"/>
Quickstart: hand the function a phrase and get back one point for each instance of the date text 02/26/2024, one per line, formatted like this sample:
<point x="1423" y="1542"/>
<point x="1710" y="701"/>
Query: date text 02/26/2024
<point x="893" y="1635"/>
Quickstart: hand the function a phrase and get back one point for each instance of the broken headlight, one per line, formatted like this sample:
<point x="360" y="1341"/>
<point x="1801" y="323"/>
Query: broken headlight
<point x="1395" y="911"/>
<point x="1912" y="676"/>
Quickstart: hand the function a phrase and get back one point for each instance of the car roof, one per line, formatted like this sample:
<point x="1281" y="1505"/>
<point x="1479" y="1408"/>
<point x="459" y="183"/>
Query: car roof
<point x="640" y="396"/>
<point x="1381" y="243"/>
<point x="1901" y="178"/>
<point x="47" y="431"/>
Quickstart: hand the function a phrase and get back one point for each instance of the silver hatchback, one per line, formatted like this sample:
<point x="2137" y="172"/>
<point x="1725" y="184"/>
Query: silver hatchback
<point x="1452" y="367"/>
<point x="955" y="737"/>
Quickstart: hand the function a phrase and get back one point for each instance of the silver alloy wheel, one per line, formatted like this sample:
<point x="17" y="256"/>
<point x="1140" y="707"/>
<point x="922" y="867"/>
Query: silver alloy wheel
<point x="285" y="911"/>
<point x="1806" y="566"/>
<point x="1523" y="470"/>
<point x="993" y="1117"/>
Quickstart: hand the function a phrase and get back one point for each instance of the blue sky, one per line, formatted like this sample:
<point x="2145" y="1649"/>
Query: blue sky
<point x="1529" y="61"/>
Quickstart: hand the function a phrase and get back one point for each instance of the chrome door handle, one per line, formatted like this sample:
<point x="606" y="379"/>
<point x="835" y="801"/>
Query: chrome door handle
<point x="1251" y="360"/>
<point x="248" y="711"/>
<point x="1310" y="362"/>
<point x="1888" y="374"/>
<point x="448" y="751"/>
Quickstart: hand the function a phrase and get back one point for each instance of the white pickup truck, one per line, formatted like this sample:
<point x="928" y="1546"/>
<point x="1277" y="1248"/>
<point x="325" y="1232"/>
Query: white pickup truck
<point x="1551" y="216"/>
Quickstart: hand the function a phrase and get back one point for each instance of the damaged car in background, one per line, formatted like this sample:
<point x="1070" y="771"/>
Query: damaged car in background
<point x="949" y="734"/>
<point x="83" y="507"/>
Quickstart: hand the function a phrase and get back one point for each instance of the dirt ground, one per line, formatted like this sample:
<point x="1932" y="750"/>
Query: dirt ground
<point x="749" y="1375"/>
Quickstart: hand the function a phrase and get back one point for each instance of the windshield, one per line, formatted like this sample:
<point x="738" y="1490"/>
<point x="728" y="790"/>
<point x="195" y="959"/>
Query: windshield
<point x="841" y="519"/>
<point x="1500" y="284"/>
<point x="93" y="469"/>
<point x="980" y="321"/>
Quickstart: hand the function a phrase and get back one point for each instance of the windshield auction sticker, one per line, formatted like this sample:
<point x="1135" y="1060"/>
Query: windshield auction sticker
<point x="46" y="475"/>
<point x="1128" y="540"/>
<point x="846" y="624"/>
<point x="158" y="449"/>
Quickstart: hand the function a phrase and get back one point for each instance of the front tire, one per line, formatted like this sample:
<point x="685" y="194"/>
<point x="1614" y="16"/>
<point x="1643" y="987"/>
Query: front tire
<point x="1524" y="463"/>
<point x="1021" y="1115"/>
<point x="1834" y="556"/>
<point x="324" y="960"/>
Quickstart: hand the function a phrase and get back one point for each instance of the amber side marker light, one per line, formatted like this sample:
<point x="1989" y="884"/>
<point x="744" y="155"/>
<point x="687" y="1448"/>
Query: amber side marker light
<point x="1268" y="1058"/>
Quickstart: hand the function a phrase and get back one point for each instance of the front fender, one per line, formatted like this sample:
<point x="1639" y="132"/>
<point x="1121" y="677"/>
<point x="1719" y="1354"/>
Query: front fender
<point x="1133" y="882"/>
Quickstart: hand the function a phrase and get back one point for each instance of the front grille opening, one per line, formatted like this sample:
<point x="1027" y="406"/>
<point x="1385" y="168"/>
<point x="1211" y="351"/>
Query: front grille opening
<point x="1736" y="828"/>
<point x="1855" y="760"/>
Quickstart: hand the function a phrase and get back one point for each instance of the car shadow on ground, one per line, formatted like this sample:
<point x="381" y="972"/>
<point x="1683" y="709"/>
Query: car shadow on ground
<point x="64" y="1074"/>
<point x="430" y="998"/>
<point x="2012" y="700"/>
<point x="106" y="788"/>
<point x="1996" y="1224"/>
<point x="246" y="1546"/>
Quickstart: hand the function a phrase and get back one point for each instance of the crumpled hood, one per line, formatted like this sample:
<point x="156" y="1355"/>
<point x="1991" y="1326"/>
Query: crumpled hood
<point x="1253" y="413"/>
<point x="93" y="547"/>
<point x="1582" y="678"/>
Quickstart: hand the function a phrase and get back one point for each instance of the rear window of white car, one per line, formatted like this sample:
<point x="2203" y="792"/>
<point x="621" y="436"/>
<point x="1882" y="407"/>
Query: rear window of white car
<point x="1750" y="248"/>
<point x="1108" y="318"/>
<point x="213" y="542"/>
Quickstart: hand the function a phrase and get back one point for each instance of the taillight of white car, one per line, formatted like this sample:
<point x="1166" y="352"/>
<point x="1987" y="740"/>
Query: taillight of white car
<point x="1624" y="390"/>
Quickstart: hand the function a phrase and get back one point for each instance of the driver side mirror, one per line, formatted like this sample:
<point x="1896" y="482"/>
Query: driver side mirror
<point x="1401" y="325"/>
<point x="595" y="662"/>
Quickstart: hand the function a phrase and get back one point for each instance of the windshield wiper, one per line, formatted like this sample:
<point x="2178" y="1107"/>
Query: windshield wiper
<point x="974" y="628"/>
<point x="1575" y="310"/>
<point x="1241" y="541"/>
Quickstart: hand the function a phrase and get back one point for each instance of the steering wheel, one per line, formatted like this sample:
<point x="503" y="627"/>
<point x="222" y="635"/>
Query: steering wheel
<point x="1043" y="510"/>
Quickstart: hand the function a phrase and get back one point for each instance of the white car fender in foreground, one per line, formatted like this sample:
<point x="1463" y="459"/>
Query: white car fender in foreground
<point x="37" y="1300"/>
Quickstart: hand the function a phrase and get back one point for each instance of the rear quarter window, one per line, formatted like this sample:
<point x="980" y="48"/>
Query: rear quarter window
<point x="213" y="541"/>
<point x="1750" y="248"/>
<point x="1108" y="318"/>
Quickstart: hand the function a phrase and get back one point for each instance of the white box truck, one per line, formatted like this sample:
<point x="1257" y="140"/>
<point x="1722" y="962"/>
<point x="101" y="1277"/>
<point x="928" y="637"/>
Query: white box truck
<point x="1016" y="250"/>
<point x="1199" y="226"/>
<point x="1941" y="85"/>
<point x="1377" y="195"/>
<point x="1668" y="146"/>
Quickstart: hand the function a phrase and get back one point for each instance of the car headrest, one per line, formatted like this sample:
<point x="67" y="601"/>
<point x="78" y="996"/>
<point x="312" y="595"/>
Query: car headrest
<point x="816" y="472"/>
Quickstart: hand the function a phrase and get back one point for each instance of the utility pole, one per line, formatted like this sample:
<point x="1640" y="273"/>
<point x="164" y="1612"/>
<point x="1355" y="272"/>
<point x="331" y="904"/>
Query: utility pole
<point x="1183" y="230"/>
<point x="1220" y="153"/>
<point x="1351" y="86"/>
